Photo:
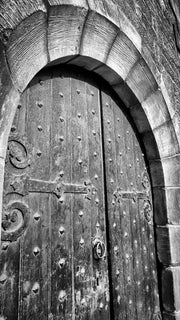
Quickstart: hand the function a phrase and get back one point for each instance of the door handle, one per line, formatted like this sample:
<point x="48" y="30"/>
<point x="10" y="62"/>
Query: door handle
<point x="99" y="249"/>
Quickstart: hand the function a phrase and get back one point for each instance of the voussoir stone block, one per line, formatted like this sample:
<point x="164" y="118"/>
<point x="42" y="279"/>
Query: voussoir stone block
<point x="13" y="12"/>
<point x="114" y="13"/>
<point x="9" y="98"/>
<point x="176" y="124"/>
<point x="168" y="244"/>
<point x="166" y="205"/>
<point x="85" y="62"/>
<point x="156" y="109"/>
<point x="129" y="29"/>
<point x="65" y="27"/>
<point x="166" y="139"/>
<point x="122" y="55"/>
<point x="27" y="49"/>
<point x="75" y="3"/>
<point x="171" y="316"/>
<point x="98" y="37"/>
<point x="141" y="80"/>
<point x="166" y="172"/>
<point x="151" y="147"/>
<point x="107" y="8"/>
<point x="171" y="289"/>
<point x="126" y="94"/>
<point x="2" y="163"/>
<point x="160" y="206"/>
<point x="108" y="74"/>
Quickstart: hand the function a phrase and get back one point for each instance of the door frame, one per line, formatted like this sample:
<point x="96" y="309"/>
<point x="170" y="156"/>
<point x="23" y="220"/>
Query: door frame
<point x="117" y="55"/>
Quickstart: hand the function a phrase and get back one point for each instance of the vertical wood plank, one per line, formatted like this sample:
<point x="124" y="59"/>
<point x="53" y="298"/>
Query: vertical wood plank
<point x="61" y="233"/>
<point x="10" y="252"/>
<point x="131" y="216"/>
<point x="101" y="295"/>
<point x="35" y="241"/>
<point x="82" y="270"/>
<point x="78" y="135"/>
<point x="135" y="294"/>
<point x="9" y="280"/>
<point x="114" y="246"/>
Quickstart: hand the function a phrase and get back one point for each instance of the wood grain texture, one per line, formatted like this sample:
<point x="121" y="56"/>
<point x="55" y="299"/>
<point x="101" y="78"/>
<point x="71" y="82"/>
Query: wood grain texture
<point x="64" y="30"/>
<point x="135" y="288"/>
<point x="9" y="280"/>
<point x="27" y="49"/>
<point x="78" y="135"/>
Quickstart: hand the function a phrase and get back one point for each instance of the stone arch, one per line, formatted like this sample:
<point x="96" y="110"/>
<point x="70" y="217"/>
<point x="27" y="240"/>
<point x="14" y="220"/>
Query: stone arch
<point x="101" y="39"/>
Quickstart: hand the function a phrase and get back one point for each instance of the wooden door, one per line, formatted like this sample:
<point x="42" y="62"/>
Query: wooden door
<point x="77" y="230"/>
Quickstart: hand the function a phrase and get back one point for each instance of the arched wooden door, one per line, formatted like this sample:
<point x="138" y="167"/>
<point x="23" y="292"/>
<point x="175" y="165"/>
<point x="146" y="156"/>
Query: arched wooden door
<point x="77" y="230"/>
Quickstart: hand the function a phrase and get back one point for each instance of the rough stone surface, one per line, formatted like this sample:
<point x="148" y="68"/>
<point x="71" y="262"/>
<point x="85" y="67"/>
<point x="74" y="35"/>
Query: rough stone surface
<point x="13" y="12"/>
<point x="27" y="49"/>
<point x="171" y="288"/>
<point x="168" y="244"/>
<point x="166" y="139"/>
<point x="122" y="55"/>
<point x="141" y="81"/>
<point x="7" y="94"/>
<point x="171" y="316"/>
<point x="98" y="37"/>
<point x="166" y="172"/>
<point x="65" y="27"/>
<point x="167" y="205"/>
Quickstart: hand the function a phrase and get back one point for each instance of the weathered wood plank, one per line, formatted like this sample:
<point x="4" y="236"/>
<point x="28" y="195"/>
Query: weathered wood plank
<point x="100" y="284"/>
<point x="34" y="245"/>
<point x="9" y="280"/>
<point x="61" y="239"/>
<point x="80" y="137"/>
<point x="114" y="220"/>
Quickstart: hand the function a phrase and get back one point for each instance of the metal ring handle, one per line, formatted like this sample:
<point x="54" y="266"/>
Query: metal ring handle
<point x="99" y="249"/>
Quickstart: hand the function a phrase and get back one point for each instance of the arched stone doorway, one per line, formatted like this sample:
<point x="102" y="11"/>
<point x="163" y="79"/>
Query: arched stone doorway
<point x="77" y="206"/>
<point x="103" y="42"/>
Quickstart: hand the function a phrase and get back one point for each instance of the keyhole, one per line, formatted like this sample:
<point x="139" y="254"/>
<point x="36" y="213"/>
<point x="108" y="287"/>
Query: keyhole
<point x="98" y="274"/>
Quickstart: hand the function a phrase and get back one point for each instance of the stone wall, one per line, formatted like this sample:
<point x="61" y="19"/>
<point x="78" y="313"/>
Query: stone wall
<point x="155" y="21"/>
<point x="135" y="43"/>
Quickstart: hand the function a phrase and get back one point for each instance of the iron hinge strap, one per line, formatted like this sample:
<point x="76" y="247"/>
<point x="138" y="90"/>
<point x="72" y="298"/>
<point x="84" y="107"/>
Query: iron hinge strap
<point x="120" y="195"/>
<point x="24" y="185"/>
